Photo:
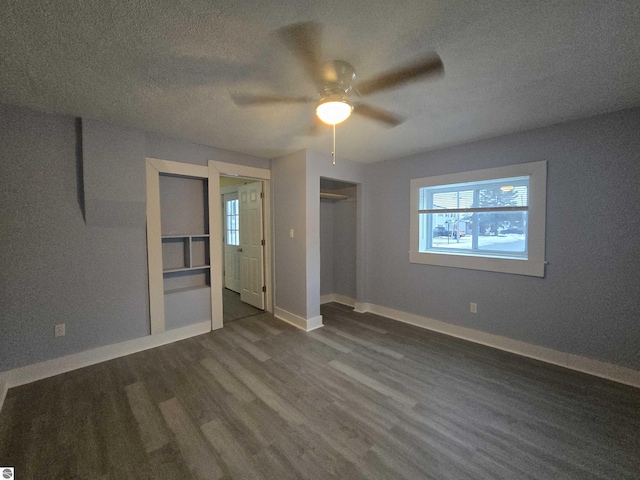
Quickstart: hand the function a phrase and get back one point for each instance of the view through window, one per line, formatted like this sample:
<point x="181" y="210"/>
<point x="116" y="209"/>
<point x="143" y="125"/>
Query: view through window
<point x="484" y="218"/>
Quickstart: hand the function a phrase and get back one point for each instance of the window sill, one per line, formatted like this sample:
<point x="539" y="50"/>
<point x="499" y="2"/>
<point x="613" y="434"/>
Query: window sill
<point x="517" y="266"/>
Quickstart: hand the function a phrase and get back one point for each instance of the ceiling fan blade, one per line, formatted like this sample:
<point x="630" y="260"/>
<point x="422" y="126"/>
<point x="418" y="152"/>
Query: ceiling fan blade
<point x="304" y="40"/>
<point x="430" y="65"/>
<point x="249" y="100"/>
<point x="377" y="114"/>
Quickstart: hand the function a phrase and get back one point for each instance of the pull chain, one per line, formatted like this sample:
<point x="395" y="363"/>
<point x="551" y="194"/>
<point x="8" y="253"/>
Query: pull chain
<point x="333" y="152"/>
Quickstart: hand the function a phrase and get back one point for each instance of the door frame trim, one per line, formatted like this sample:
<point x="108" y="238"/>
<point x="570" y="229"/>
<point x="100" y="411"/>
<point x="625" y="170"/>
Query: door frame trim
<point x="217" y="169"/>
<point x="154" y="167"/>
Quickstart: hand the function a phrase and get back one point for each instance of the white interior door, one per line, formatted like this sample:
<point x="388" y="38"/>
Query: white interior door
<point x="231" y="241"/>
<point x="251" y="239"/>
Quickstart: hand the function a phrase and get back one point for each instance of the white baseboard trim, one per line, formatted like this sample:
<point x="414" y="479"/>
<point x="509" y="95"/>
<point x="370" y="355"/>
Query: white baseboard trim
<point x="598" y="368"/>
<point x="328" y="298"/>
<point x="336" y="297"/>
<point x="56" y="366"/>
<point x="302" y="323"/>
<point x="315" y="322"/>
<point x="362" y="307"/>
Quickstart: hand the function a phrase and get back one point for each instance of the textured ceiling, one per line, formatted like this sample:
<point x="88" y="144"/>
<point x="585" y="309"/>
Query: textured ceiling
<point x="170" y="66"/>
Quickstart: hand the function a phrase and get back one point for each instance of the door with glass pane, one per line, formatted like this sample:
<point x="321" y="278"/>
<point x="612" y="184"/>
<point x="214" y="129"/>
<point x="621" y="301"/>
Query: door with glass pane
<point x="251" y="243"/>
<point x="232" y="279"/>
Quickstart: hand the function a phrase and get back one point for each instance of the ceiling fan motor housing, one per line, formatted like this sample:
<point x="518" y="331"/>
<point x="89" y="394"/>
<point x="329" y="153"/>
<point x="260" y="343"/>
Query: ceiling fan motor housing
<point x="335" y="82"/>
<point x="336" y="77"/>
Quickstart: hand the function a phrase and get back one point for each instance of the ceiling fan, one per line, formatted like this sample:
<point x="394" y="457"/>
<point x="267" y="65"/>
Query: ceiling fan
<point x="336" y="80"/>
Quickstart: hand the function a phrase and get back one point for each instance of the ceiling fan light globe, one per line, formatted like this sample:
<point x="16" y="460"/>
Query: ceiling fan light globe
<point x="333" y="112"/>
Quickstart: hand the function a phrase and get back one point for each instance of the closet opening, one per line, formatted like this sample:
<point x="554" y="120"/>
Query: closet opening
<point x="338" y="241"/>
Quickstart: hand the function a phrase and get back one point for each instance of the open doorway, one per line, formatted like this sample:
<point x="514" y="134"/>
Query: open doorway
<point x="243" y="266"/>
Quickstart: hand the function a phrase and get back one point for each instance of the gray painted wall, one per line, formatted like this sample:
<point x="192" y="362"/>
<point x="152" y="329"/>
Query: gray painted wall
<point x="113" y="168"/>
<point x="54" y="267"/>
<point x="344" y="248"/>
<point x="326" y="247"/>
<point x="289" y="212"/>
<point x="338" y="240"/>
<point x="182" y="205"/>
<point x="588" y="302"/>
<point x="167" y="148"/>
<point x="187" y="307"/>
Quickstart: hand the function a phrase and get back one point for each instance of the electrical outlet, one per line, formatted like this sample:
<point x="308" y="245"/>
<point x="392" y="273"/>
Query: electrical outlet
<point x="473" y="307"/>
<point x="291" y="233"/>
<point x="59" y="330"/>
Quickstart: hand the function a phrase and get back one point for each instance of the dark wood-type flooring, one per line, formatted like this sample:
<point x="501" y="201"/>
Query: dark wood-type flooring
<point x="363" y="397"/>
<point x="233" y="308"/>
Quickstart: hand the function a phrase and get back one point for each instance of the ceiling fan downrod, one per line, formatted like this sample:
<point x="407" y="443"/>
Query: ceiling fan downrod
<point x="333" y="151"/>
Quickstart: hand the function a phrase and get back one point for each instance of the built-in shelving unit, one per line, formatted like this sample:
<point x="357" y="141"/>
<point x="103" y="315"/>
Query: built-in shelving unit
<point x="185" y="261"/>
<point x="191" y="251"/>
<point x="179" y="245"/>
<point x="185" y="242"/>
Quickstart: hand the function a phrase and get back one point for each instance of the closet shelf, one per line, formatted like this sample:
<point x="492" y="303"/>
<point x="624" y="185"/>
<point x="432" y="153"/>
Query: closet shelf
<point x="332" y="196"/>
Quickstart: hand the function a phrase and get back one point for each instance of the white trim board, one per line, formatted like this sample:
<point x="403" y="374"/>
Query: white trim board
<point x="337" y="298"/>
<point x="216" y="169"/>
<point x="154" y="248"/>
<point x="362" y="307"/>
<point x="179" y="168"/>
<point x="155" y="167"/>
<point x="236" y="170"/>
<point x="598" y="368"/>
<point x="303" y="324"/>
<point x="56" y="366"/>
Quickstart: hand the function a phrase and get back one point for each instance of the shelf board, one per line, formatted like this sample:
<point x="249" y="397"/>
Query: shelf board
<point x="199" y="235"/>
<point x="187" y="289"/>
<point x="186" y="269"/>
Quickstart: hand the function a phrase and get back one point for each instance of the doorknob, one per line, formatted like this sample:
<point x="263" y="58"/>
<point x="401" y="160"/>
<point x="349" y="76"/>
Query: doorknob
<point x="239" y="249"/>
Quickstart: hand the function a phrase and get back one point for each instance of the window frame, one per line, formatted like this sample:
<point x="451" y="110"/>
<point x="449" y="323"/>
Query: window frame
<point x="533" y="265"/>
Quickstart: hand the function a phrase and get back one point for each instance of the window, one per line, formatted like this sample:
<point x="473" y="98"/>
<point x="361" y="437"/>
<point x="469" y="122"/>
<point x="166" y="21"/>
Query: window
<point x="232" y="222"/>
<point x="490" y="219"/>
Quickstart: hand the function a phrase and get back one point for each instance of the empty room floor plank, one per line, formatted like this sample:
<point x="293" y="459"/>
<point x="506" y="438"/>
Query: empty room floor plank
<point x="200" y="459"/>
<point x="364" y="397"/>
<point x="153" y="431"/>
